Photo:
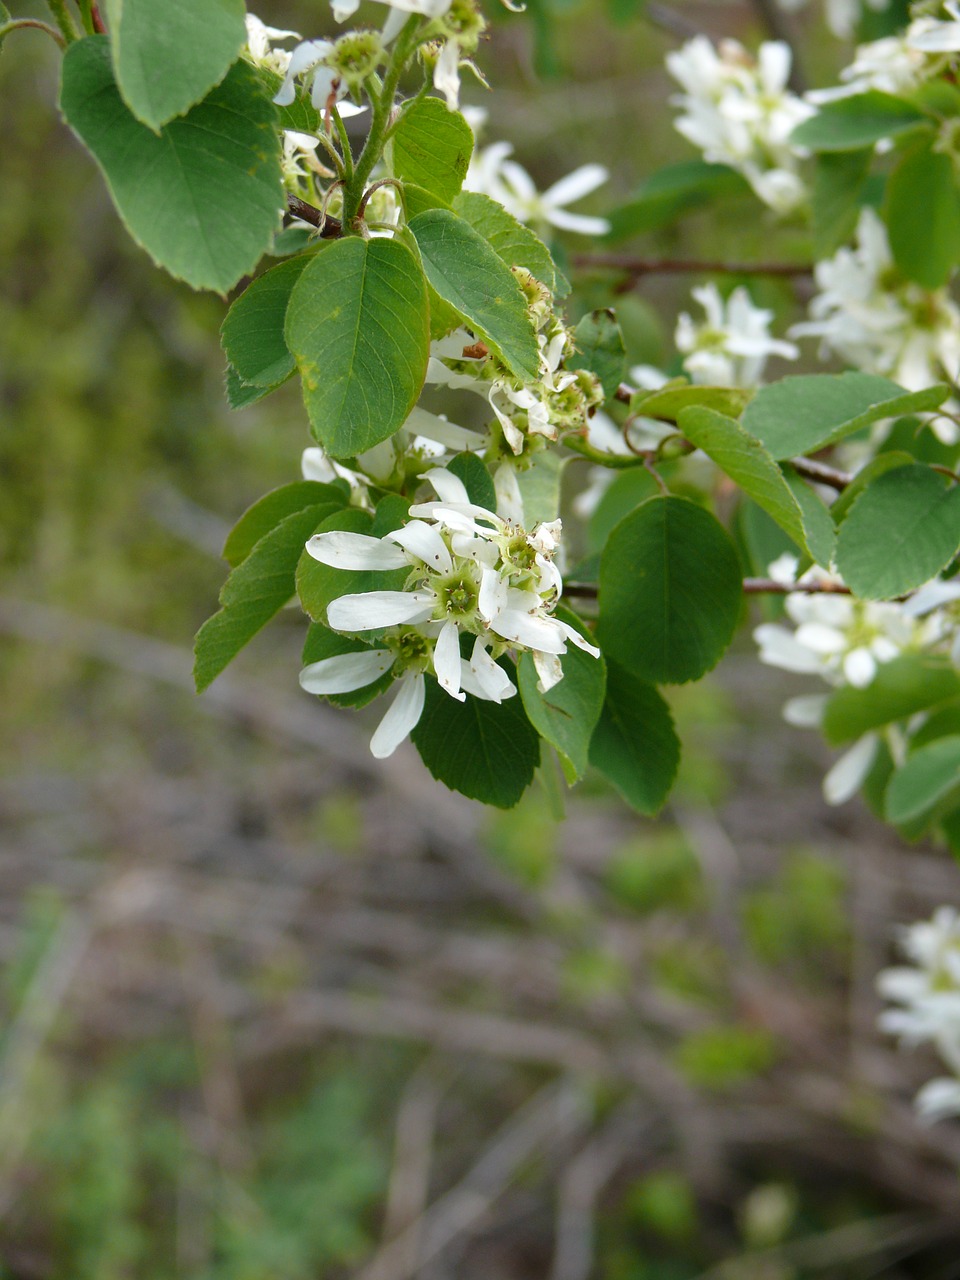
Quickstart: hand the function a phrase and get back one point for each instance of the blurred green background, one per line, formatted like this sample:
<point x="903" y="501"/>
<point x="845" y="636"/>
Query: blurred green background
<point x="274" y="1011"/>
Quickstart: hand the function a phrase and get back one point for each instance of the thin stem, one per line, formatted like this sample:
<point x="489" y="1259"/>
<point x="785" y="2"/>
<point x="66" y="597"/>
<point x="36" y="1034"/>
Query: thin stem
<point x="638" y="267"/>
<point x="15" y="24"/>
<point x="616" y="461"/>
<point x="751" y="587"/>
<point x="346" y="153"/>
<point x="329" y="227"/>
<point x="330" y="148"/>
<point x="86" y="16"/>
<point x="383" y="105"/>
<point x="820" y="473"/>
<point x="374" y="186"/>
<point x="64" y="20"/>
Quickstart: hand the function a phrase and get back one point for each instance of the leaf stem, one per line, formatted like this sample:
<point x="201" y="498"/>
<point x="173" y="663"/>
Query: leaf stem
<point x="16" y="24"/>
<point x="64" y="20"/>
<point x="751" y="587"/>
<point x="86" y="16"/>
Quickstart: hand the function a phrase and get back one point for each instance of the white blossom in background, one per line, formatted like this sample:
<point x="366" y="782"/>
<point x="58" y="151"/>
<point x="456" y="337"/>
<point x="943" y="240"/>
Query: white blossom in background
<point x="470" y="573"/>
<point x="925" y="1004"/>
<point x="493" y="173"/>
<point x="842" y="16"/>
<point x="739" y="112"/>
<point x="844" y="641"/>
<point x="731" y="345"/>
<point x="870" y="316"/>
<point x="260" y="49"/>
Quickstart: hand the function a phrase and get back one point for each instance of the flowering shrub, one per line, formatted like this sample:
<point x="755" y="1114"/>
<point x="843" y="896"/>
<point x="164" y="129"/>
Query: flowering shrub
<point x="426" y="547"/>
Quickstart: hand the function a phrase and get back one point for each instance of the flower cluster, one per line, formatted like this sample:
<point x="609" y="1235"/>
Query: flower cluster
<point x="493" y="173"/>
<point x="469" y="573"/>
<point x="925" y="999"/>
<point x="841" y="16"/>
<point x="879" y="322"/>
<point x="730" y="347"/>
<point x="739" y="112"/>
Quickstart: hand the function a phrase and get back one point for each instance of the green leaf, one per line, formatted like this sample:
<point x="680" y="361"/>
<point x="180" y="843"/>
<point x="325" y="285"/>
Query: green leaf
<point x="241" y="394"/>
<point x="876" y="467"/>
<point x="818" y="522"/>
<point x="624" y="494"/>
<point x="634" y="744"/>
<point x="252" y="330"/>
<point x="268" y="511"/>
<point x="748" y="465"/>
<point x="205" y="195"/>
<point x="300" y="115"/>
<point x="667" y="404"/>
<point x="432" y="147"/>
<point x="322" y="643"/>
<point x="317" y="584"/>
<point x="516" y="244"/>
<point x="466" y="272"/>
<point x="670" y="591"/>
<point x="837" y="185"/>
<point x="255" y="591"/>
<point x="922" y="213"/>
<point x="358" y="327"/>
<point x="540" y="486"/>
<point x="484" y="751"/>
<point x="477" y="480"/>
<point x="900" y="689"/>
<point x="670" y="192"/>
<point x="599" y="344"/>
<point x="798" y="415"/>
<point x="419" y="200"/>
<point x="902" y="530"/>
<point x="850" y="124"/>
<point x="930" y="775"/>
<point x="566" y="714"/>
<point x="168" y="56"/>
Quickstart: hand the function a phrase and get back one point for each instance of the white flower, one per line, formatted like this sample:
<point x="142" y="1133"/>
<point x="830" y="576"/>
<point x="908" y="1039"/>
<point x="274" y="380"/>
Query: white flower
<point x="890" y="65"/>
<point x="930" y="35"/>
<point x="867" y="314"/>
<point x="309" y="56"/>
<point x="259" y="39"/>
<point x="400" y="11"/>
<point x="739" y="112"/>
<point x="493" y="174"/>
<point x="731" y="346"/>
<point x="926" y="1003"/>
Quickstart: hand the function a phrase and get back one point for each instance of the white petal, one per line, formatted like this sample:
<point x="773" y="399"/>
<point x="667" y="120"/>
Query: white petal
<point x="848" y="774"/>
<point x="345" y="671"/>
<point x="424" y="542"/>
<point x="581" y="223"/>
<point x="448" y="487"/>
<point x="446" y="660"/>
<point x="530" y="630"/>
<point x="493" y="595"/>
<point x="576" y="185"/>
<point x="549" y="670"/>
<point x="576" y="638"/>
<point x="371" y="610"/>
<point x="343" y="550"/>
<point x="859" y="667"/>
<point x="805" y="711"/>
<point x="492" y="682"/>
<point x="938" y="1098"/>
<point x="304" y="55"/>
<point x="401" y="719"/>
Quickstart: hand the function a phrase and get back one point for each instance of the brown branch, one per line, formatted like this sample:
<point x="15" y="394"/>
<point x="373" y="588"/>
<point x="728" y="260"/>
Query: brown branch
<point x="751" y="587"/>
<point x="636" y="267"/>
<point x="98" y="23"/>
<point x="820" y="473"/>
<point x="330" y="228"/>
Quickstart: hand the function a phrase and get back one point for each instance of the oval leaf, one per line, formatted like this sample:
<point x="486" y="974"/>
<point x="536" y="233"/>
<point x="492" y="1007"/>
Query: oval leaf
<point x="902" y="530"/>
<point x="432" y="148"/>
<point x="168" y="56"/>
<point x="929" y="776"/>
<point x="357" y="326"/>
<point x="516" y="244"/>
<point x="858" y="121"/>
<point x="268" y="511"/>
<point x="922" y="213"/>
<point x="484" y="751"/>
<point x="252" y="330"/>
<point x="466" y="272"/>
<point x="900" y="689"/>
<point x="634" y="744"/>
<point x="205" y="195"/>
<point x="670" y="591"/>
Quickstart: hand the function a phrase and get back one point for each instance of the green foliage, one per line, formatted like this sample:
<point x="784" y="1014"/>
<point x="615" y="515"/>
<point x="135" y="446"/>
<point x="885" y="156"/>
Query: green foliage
<point x="634" y="744"/>
<point x="167" y="57"/>
<point x="664" y="1204"/>
<point x="671" y="192"/>
<point x="255" y="590"/>
<point x="516" y="244"/>
<point x="267" y="512"/>
<point x="600" y="349"/>
<point x="850" y="124"/>
<point x="668" y="403"/>
<point x="670" y="591"/>
<point x="322" y="643"/>
<point x="653" y="872"/>
<point x="357" y="326"/>
<point x="252" y="330"/>
<point x="486" y="751"/>
<point x="900" y="689"/>
<point x="566" y="714"/>
<point x="523" y="841"/>
<point x="929" y="777"/>
<point x="477" y="480"/>
<point x="801" y="414"/>
<point x="723" y="1057"/>
<point x="203" y="196"/>
<point x="922" y="213"/>
<point x="470" y="276"/>
<point x="801" y="916"/>
<point x="432" y="148"/>
<point x="838" y="182"/>
<point x="900" y="532"/>
<point x="317" y="584"/>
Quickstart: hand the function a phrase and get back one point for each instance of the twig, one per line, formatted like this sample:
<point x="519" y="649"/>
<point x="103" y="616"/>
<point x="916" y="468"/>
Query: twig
<point x="636" y="267"/>
<point x="820" y="473"/>
<point x="409" y="1186"/>
<point x="671" y="21"/>
<point x="751" y="587"/>
<point x="328" y="227"/>
<point x="16" y="24"/>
